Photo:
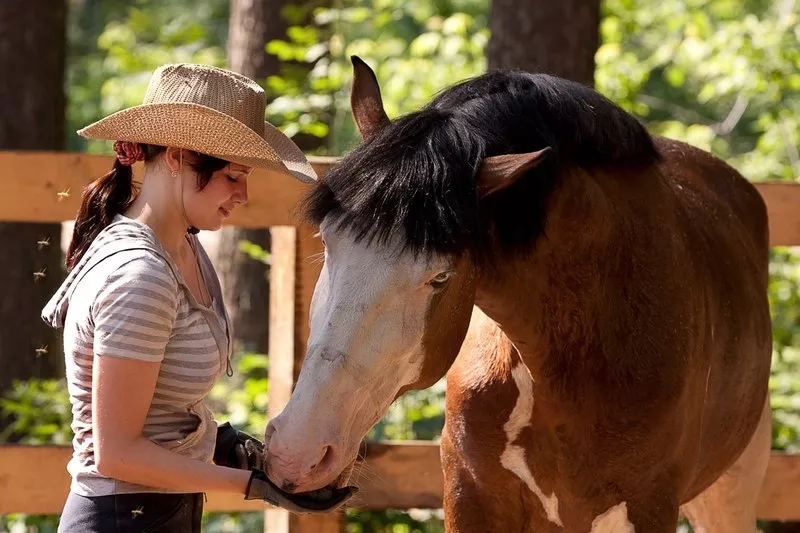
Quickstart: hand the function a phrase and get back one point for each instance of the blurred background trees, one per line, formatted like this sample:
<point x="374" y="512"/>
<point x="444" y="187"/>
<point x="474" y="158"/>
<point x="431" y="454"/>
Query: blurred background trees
<point x="720" y="74"/>
<point x="32" y="105"/>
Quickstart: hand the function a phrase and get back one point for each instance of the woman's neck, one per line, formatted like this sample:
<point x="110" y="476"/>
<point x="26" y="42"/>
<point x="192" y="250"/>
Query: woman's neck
<point x="155" y="206"/>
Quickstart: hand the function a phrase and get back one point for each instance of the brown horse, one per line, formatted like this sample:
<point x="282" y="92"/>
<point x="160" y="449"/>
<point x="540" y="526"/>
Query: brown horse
<point x="614" y="371"/>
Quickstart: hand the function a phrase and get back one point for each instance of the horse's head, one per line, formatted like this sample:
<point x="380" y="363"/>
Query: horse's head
<point x="401" y="227"/>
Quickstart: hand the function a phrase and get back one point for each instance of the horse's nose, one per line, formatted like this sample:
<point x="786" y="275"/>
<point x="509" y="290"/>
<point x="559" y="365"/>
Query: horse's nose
<point x="293" y="464"/>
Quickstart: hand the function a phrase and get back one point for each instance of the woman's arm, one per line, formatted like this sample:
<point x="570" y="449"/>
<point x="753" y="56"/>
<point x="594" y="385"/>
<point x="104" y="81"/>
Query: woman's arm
<point x="123" y="390"/>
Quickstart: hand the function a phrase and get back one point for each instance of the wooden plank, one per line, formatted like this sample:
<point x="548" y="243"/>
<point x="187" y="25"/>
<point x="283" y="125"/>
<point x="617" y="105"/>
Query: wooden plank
<point x="282" y="305"/>
<point x="399" y="475"/>
<point x="46" y="187"/>
<point x="780" y="494"/>
<point x="292" y="279"/>
<point x="34" y="480"/>
<point x="783" y="207"/>
<point x="30" y="183"/>
<point x="282" y="309"/>
<point x="309" y="265"/>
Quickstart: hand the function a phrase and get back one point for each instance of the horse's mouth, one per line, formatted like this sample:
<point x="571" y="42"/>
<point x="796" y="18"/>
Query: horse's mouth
<point x="321" y="500"/>
<point x="314" y="501"/>
<point x="324" y="499"/>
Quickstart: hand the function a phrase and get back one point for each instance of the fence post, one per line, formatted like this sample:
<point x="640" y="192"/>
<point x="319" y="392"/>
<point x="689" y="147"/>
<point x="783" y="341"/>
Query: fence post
<point x="293" y="274"/>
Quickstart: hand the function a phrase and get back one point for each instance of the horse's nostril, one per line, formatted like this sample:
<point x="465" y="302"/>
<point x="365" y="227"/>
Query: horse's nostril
<point x="324" y="458"/>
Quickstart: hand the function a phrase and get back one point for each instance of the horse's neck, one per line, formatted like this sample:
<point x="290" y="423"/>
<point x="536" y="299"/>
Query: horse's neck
<point x="546" y="303"/>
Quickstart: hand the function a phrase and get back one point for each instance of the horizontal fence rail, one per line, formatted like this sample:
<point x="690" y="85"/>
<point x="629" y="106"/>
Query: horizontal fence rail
<point x="46" y="187"/>
<point x="398" y="475"/>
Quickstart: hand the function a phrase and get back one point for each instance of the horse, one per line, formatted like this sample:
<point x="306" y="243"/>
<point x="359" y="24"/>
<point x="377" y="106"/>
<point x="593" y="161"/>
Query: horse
<point x="595" y="295"/>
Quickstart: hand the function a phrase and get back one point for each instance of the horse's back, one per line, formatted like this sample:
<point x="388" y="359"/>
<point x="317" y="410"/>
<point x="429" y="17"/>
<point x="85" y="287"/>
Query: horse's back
<point x="722" y="239"/>
<point x="720" y="190"/>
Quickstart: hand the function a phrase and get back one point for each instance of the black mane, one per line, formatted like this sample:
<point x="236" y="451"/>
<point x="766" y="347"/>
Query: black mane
<point x="418" y="173"/>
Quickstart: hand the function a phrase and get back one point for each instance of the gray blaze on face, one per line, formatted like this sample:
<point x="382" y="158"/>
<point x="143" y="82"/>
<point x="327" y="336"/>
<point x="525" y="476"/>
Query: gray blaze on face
<point x="368" y="318"/>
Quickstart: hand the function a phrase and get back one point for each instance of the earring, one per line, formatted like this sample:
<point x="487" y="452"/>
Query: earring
<point x="174" y="173"/>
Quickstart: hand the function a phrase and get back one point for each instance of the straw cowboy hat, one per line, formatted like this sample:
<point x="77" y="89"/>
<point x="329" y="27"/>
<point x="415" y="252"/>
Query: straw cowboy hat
<point x="208" y="110"/>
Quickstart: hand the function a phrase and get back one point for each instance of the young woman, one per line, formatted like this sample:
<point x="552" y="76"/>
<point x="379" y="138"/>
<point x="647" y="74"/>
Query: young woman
<point x="146" y="334"/>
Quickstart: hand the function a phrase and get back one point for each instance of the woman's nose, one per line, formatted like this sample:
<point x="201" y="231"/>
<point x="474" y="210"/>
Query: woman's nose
<point x="241" y="193"/>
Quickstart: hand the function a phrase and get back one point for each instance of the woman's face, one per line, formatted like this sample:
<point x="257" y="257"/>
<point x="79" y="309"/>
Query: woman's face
<point x="209" y="207"/>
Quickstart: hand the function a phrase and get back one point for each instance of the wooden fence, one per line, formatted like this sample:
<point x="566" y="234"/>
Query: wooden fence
<point x="46" y="187"/>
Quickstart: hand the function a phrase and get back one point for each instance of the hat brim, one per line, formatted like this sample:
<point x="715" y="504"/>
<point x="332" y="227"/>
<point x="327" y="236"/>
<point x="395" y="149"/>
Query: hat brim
<point x="206" y="131"/>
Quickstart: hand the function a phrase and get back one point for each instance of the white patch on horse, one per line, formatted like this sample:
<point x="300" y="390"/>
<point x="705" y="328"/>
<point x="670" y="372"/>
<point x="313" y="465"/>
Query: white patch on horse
<point x="513" y="457"/>
<point x="615" y="520"/>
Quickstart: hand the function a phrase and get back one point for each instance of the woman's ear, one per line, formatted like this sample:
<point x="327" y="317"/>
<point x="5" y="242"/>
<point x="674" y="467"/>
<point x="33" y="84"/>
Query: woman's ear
<point x="173" y="159"/>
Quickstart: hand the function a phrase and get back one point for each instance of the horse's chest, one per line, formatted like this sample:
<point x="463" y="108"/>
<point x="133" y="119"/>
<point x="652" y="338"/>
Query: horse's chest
<point x="547" y="478"/>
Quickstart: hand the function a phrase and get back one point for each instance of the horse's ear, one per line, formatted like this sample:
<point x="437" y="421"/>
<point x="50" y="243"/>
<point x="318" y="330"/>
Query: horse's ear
<point x="502" y="171"/>
<point x="365" y="100"/>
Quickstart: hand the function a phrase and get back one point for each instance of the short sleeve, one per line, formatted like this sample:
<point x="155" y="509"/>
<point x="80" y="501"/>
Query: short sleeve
<point x="134" y="313"/>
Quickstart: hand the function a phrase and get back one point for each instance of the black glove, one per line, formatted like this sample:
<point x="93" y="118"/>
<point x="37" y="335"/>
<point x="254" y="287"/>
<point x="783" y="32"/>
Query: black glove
<point x="318" y="501"/>
<point x="237" y="449"/>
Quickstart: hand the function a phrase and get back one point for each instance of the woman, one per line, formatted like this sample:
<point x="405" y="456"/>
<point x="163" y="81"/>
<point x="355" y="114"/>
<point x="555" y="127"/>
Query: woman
<point x="146" y="335"/>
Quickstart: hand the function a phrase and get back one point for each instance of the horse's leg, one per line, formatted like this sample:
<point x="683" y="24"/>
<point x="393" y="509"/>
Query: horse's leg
<point x="481" y="498"/>
<point x="467" y="506"/>
<point x="729" y="505"/>
<point x="653" y="512"/>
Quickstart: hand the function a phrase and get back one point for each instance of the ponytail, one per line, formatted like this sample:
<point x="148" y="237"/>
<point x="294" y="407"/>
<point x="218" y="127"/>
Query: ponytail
<point x="106" y="197"/>
<point x="102" y="200"/>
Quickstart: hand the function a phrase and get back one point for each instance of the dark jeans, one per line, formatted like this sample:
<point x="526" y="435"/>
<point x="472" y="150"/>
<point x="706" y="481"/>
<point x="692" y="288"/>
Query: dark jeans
<point x="132" y="513"/>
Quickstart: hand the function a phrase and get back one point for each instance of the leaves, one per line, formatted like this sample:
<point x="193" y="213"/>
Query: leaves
<point x="40" y="410"/>
<point x="416" y="48"/>
<point x="254" y="251"/>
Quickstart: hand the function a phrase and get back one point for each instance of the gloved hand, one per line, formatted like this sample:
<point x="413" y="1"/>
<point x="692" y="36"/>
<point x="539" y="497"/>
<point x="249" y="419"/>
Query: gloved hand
<point x="237" y="449"/>
<point x="318" y="501"/>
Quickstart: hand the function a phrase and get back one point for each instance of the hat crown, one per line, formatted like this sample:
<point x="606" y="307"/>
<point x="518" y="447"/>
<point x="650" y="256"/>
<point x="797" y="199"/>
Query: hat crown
<point x="225" y="91"/>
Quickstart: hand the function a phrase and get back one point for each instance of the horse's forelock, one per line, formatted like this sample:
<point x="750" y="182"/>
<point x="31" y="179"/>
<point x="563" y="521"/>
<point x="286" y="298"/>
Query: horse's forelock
<point x="415" y="178"/>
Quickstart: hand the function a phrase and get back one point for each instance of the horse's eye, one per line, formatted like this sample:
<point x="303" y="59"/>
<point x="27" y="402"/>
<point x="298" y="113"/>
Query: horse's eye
<point x="440" y="279"/>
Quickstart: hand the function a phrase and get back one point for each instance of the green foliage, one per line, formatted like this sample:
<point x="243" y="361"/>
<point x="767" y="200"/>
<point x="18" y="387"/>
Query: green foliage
<point x="40" y="411"/>
<point x="254" y="251"/>
<point x="242" y="399"/>
<point x="416" y="48"/>
<point x="395" y="521"/>
<point x="115" y="45"/>
<point x="417" y="415"/>
<point x="784" y="291"/>
<point x="724" y="76"/>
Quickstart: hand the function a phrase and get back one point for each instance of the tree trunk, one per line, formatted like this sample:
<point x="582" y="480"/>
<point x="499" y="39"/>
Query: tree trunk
<point x="245" y="282"/>
<point x="553" y="37"/>
<point x="32" y="110"/>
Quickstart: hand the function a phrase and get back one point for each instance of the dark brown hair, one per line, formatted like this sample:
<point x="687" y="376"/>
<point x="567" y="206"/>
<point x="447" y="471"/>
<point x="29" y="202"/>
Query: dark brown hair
<point x="114" y="192"/>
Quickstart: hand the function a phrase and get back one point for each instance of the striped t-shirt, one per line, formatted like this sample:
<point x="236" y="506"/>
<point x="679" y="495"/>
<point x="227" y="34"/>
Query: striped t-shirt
<point x="126" y="298"/>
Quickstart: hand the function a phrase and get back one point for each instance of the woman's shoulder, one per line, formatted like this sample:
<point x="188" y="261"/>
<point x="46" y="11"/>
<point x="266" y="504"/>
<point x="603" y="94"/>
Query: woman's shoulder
<point x="126" y="258"/>
<point x="124" y="232"/>
<point x="129" y="274"/>
<point x="130" y="246"/>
